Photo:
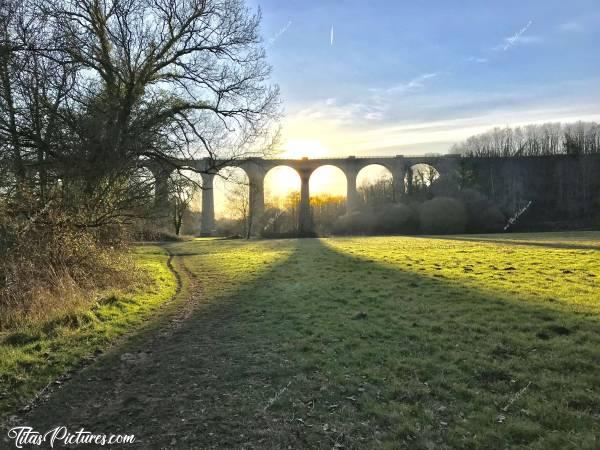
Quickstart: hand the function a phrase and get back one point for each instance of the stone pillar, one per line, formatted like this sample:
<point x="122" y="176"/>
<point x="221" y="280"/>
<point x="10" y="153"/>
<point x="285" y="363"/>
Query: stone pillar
<point x="399" y="177"/>
<point x="161" y="189"/>
<point x="256" y="180"/>
<point x="399" y="172"/>
<point x="400" y="189"/>
<point x="305" y="224"/>
<point x="352" y="202"/>
<point x="207" y="226"/>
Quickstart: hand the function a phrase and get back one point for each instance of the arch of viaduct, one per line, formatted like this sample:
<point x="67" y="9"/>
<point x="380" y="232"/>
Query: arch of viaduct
<point x="256" y="169"/>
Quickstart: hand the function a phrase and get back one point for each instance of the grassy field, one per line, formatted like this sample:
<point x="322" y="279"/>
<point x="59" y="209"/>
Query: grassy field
<point x="475" y="342"/>
<point x="459" y="342"/>
<point x="36" y="354"/>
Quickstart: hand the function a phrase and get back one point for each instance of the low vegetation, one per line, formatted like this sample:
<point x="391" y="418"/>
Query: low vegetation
<point x="37" y="348"/>
<point x="462" y="342"/>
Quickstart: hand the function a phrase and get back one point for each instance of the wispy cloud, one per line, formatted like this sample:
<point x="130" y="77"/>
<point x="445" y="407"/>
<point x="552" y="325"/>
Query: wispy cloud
<point x="426" y="121"/>
<point x="477" y="60"/>
<point x="519" y="38"/>
<point x="277" y="35"/>
<point x="416" y="84"/>
<point x="331" y="36"/>
<point x="342" y="112"/>
<point x="573" y="26"/>
<point x="373" y="106"/>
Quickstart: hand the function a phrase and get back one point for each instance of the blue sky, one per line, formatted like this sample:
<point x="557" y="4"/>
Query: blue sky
<point x="410" y="77"/>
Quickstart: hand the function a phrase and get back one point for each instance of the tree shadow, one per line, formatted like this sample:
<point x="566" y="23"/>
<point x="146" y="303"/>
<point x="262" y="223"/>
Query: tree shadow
<point x="557" y="245"/>
<point x="324" y="348"/>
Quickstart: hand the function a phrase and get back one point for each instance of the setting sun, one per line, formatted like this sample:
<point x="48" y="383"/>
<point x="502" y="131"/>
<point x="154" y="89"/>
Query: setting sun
<point x="301" y="148"/>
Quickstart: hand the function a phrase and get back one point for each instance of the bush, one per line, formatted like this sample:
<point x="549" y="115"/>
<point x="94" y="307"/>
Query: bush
<point x="357" y="222"/>
<point x="155" y="235"/>
<point x="444" y="187"/>
<point x="443" y="215"/>
<point x="48" y="266"/>
<point x="397" y="218"/>
<point x="482" y="215"/>
<point x="491" y="220"/>
<point x="391" y="218"/>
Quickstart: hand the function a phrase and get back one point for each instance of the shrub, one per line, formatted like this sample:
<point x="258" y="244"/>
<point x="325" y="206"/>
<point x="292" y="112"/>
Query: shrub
<point x="391" y="218"/>
<point x="490" y="220"/>
<point x="482" y="215"/>
<point x="397" y="218"/>
<point x="443" y="215"/>
<point x="353" y="222"/>
<point x="155" y="235"/>
<point x="444" y="187"/>
<point x="49" y="266"/>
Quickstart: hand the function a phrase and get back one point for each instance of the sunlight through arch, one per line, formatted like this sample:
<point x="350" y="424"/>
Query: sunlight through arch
<point x="372" y="174"/>
<point x="231" y="186"/>
<point x="328" y="180"/>
<point x="194" y="178"/>
<point x="280" y="182"/>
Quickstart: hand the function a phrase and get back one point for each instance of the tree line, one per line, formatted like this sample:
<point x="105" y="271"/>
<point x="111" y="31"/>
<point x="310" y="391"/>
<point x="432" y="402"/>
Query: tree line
<point x="580" y="138"/>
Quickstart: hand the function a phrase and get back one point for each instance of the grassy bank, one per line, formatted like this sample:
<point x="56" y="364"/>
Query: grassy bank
<point x="35" y="354"/>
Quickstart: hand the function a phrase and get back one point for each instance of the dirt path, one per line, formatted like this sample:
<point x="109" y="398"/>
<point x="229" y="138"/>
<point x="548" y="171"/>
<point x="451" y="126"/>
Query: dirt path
<point x="156" y="386"/>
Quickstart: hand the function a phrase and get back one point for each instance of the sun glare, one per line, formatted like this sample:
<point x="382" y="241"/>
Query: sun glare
<point x="280" y="181"/>
<point x="301" y="148"/>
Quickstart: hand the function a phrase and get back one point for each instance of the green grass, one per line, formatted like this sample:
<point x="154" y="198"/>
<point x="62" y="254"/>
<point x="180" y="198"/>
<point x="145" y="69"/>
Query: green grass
<point x="458" y="342"/>
<point x="36" y="354"/>
<point x="464" y="342"/>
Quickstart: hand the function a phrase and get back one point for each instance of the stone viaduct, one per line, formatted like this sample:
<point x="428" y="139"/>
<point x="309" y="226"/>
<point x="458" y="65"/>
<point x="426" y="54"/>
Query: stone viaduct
<point x="257" y="168"/>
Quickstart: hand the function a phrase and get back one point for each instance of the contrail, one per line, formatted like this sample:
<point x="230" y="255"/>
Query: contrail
<point x="274" y="38"/>
<point x="331" y="36"/>
<point x="511" y="41"/>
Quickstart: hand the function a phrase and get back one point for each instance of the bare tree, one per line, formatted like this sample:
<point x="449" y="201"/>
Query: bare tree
<point x="579" y="138"/>
<point x="377" y="192"/>
<point x="165" y="78"/>
<point x="181" y="192"/>
<point x="238" y="202"/>
<point x="91" y="89"/>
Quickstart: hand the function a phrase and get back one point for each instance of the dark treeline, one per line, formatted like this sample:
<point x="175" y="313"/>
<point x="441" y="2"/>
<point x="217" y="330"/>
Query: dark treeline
<point x="581" y="138"/>
<point x="559" y="192"/>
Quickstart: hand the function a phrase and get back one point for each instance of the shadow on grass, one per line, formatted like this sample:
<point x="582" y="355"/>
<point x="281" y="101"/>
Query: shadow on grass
<point x="557" y="245"/>
<point x="324" y="348"/>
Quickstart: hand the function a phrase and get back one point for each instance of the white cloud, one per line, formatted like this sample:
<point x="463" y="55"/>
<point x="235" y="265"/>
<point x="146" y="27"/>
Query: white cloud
<point x="477" y="60"/>
<point x="572" y="27"/>
<point x="416" y="84"/>
<point x="426" y="122"/>
<point x="342" y="113"/>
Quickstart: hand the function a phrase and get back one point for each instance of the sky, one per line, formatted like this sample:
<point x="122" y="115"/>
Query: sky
<point x="413" y="77"/>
